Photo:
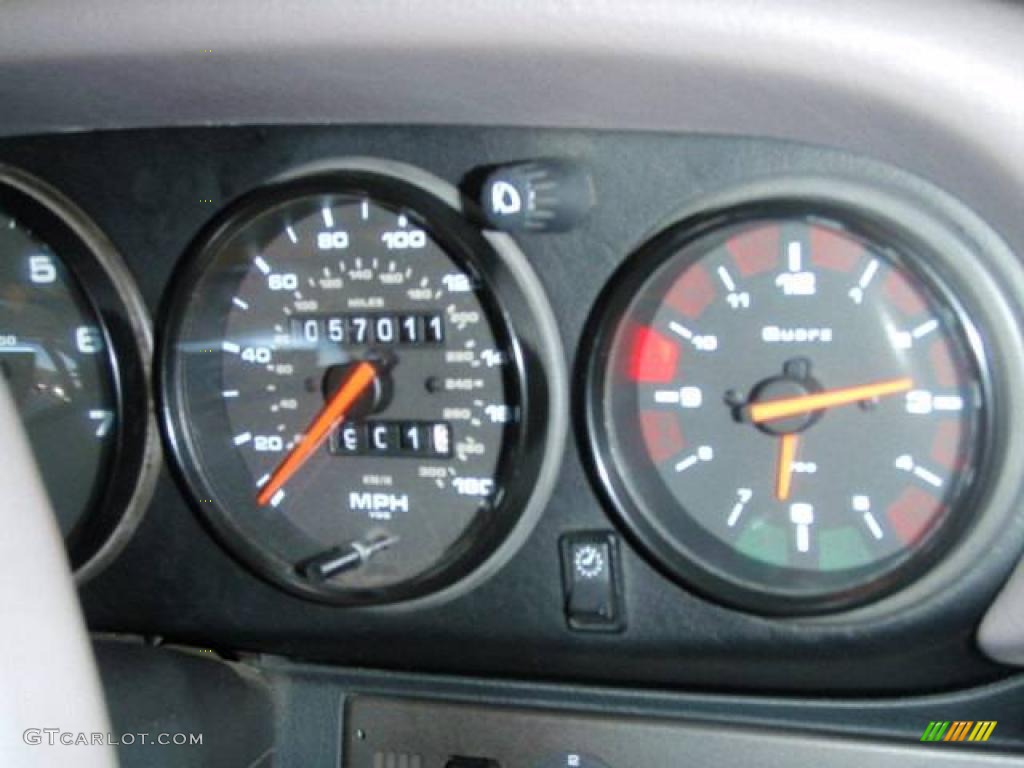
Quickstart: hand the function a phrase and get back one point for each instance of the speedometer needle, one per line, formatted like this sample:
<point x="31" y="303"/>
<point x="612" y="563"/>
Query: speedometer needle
<point x="333" y="412"/>
<point x="772" y="410"/>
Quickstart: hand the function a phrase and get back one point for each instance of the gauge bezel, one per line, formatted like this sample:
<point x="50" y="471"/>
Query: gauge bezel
<point x="117" y="506"/>
<point x="686" y="562"/>
<point x="519" y="316"/>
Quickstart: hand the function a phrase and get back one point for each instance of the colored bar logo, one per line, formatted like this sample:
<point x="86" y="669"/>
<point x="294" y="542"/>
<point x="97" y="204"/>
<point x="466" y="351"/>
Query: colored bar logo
<point x="959" y="730"/>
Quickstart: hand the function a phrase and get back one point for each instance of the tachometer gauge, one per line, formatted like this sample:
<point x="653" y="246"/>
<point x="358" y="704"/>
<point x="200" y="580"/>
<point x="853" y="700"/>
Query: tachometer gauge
<point x="788" y="407"/>
<point x="358" y="386"/>
<point x="74" y="350"/>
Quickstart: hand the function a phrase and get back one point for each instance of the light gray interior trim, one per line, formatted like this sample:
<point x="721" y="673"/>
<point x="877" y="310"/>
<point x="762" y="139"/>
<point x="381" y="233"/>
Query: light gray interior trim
<point x="1001" y="635"/>
<point x="48" y="677"/>
<point x="933" y="85"/>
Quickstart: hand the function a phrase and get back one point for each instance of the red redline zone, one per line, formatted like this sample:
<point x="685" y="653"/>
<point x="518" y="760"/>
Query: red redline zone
<point x="756" y="250"/>
<point x="653" y="358"/>
<point x="662" y="434"/>
<point x="692" y="292"/>
<point x="912" y="514"/>
<point x="833" y="250"/>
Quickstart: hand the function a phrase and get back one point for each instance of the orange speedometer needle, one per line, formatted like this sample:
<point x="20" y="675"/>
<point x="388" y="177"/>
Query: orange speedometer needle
<point x="771" y="410"/>
<point x="330" y="416"/>
<point x="787" y="455"/>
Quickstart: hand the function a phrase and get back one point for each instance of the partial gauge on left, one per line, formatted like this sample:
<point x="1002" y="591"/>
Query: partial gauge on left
<point x="74" y="351"/>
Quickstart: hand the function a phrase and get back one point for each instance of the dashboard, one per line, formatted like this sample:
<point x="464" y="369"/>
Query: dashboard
<point x="466" y="420"/>
<point x="357" y="288"/>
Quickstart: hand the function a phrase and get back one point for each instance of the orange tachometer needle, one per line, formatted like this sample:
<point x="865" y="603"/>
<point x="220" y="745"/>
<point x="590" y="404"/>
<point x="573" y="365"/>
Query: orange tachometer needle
<point x="333" y="412"/>
<point x="771" y="410"/>
<point x="787" y="454"/>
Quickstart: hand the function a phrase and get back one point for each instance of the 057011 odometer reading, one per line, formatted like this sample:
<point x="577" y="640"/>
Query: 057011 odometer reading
<point x="348" y="392"/>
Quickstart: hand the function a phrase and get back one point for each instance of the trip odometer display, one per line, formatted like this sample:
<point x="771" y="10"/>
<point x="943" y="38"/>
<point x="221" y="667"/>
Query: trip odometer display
<point x="348" y="379"/>
<point x="788" y="408"/>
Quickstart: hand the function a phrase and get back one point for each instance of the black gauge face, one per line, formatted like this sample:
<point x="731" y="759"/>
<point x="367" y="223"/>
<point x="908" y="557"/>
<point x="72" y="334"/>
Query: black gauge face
<point x="54" y="357"/>
<point x="788" y="411"/>
<point x="74" y="351"/>
<point x="348" y="395"/>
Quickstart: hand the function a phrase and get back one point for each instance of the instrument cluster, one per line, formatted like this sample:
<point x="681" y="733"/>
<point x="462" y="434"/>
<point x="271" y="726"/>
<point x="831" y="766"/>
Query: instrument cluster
<point x="791" y="398"/>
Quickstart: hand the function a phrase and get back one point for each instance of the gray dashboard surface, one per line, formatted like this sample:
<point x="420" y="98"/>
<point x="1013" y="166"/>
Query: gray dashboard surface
<point x="382" y="729"/>
<point x="314" y="707"/>
<point x="932" y="85"/>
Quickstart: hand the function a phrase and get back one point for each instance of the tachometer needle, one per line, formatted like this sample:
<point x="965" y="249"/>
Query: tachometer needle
<point x="787" y="455"/>
<point x="333" y="412"/>
<point x="772" y="410"/>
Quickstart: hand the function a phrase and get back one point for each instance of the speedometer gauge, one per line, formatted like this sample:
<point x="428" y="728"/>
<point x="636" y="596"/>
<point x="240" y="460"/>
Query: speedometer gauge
<point x="357" y="386"/>
<point x="788" y="407"/>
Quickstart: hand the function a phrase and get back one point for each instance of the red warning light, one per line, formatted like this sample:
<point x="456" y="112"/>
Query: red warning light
<point x="654" y="358"/>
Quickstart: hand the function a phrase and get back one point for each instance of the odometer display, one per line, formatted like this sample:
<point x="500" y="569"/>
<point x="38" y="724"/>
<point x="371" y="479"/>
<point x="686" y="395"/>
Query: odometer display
<point x="786" y="409"/>
<point x="346" y="392"/>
